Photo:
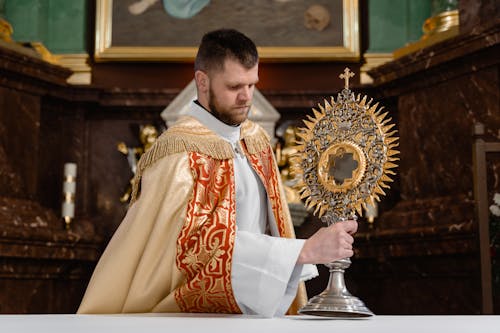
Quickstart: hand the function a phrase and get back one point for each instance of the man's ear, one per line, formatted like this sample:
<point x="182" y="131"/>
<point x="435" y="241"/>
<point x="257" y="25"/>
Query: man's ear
<point x="201" y="79"/>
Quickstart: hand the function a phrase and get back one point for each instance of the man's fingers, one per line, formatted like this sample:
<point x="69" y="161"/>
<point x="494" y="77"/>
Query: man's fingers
<point x="349" y="239"/>
<point x="350" y="226"/>
<point x="347" y="247"/>
<point x="348" y="253"/>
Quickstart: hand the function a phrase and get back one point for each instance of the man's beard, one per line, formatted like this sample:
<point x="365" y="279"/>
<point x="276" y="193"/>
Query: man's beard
<point x="218" y="113"/>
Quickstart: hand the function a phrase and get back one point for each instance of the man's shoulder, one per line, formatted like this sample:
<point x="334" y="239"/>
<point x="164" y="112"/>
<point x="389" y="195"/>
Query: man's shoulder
<point x="255" y="137"/>
<point x="190" y="135"/>
<point x="187" y="125"/>
<point x="250" y="128"/>
<point x="189" y="128"/>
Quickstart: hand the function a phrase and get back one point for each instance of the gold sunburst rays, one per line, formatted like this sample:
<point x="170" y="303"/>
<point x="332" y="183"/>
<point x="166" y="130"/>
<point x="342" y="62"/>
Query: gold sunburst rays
<point x="347" y="155"/>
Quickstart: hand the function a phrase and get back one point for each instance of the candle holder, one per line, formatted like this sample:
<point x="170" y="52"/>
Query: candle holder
<point x="69" y="190"/>
<point x="346" y="153"/>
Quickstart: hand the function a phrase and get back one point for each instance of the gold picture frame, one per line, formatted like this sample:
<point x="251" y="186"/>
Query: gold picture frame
<point x="106" y="49"/>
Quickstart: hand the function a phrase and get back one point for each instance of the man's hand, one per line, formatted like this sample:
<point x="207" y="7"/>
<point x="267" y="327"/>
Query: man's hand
<point x="329" y="244"/>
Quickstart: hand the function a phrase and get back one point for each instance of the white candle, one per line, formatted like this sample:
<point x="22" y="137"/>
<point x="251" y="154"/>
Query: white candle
<point x="70" y="169"/>
<point x="68" y="209"/>
<point x="69" y="187"/>
<point x="69" y="190"/>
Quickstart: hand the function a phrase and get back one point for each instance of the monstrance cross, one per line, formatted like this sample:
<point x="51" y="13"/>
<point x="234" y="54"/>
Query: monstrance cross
<point x="347" y="74"/>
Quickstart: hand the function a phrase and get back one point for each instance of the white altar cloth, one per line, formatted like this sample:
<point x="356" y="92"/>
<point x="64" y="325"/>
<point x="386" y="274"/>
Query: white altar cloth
<point x="207" y="323"/>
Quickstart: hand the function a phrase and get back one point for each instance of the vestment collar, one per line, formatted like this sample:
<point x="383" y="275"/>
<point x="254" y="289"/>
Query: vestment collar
<point x="229" y="133"/>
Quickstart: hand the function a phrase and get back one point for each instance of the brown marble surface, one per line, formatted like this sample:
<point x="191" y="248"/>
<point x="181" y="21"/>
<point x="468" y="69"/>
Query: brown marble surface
<point x="38" y="286"/>
<point x="44" y="268"/>
<point x="18" y="62"/>
<point x="474" y="13"/>
<point x="417" y="285"/>
<point x="11" y="182"/>
<point x="29" y="221"/>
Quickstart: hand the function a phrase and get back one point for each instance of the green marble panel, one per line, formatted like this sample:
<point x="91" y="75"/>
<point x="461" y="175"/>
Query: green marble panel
<point x="66" y="28"/>
<point x="418" y="12"/>
<point x="28" y="19"/>
<point x="59" y="24"/>
<point x="2" y="8"/>
<point x="395" y="23"/>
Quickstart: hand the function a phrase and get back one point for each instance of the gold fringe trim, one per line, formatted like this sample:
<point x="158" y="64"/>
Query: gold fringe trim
<point x="255" y="144"/>
<point x="189" y="135"/>
<point x="255" y="138"/>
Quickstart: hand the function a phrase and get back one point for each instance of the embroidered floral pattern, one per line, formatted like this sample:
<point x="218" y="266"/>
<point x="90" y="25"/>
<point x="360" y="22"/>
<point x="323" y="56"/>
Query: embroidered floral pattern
<point x="205" y="243"/>
<point x="263" y="163"/>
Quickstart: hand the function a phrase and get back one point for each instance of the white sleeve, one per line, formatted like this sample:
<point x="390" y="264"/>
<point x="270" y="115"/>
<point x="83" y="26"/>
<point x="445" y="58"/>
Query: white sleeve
<point x="264" y="273"/>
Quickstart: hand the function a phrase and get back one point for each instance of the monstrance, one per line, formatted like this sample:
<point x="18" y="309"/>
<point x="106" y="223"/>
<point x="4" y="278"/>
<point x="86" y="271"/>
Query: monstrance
<point x="346" y="153"/>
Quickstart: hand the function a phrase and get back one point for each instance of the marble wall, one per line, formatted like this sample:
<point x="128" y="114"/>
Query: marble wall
<point x="440" y="93"/>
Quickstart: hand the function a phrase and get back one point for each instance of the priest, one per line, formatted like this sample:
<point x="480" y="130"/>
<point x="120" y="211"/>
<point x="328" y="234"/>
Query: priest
<point x="208" y="228"/>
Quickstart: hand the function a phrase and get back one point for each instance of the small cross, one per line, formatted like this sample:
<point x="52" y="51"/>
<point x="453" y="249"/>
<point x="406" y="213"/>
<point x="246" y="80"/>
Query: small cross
<point x="347" y="74"/>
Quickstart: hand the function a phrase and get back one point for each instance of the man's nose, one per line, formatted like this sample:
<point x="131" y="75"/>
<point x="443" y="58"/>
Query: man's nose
<point x="245" y="94"/>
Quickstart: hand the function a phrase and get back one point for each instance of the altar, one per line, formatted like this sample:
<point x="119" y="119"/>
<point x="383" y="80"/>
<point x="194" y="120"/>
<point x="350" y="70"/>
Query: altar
<point x="243" y="323"/>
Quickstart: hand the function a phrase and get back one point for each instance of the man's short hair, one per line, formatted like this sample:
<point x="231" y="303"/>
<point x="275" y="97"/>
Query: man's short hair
<point x="216" y="46"/>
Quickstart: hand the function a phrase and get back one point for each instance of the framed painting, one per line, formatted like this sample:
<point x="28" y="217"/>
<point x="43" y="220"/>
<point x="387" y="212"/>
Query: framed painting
<point x="170" y="30"/>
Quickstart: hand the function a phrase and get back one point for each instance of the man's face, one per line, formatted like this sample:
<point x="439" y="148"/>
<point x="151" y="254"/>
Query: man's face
<point x="230" y="92"/>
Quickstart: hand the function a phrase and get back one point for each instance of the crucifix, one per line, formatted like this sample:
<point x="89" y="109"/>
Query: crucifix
<point x="347" y="74"/>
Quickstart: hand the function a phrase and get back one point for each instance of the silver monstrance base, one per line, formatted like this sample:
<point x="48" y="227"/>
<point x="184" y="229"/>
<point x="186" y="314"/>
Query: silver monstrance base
<point x="335" y="300"/>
